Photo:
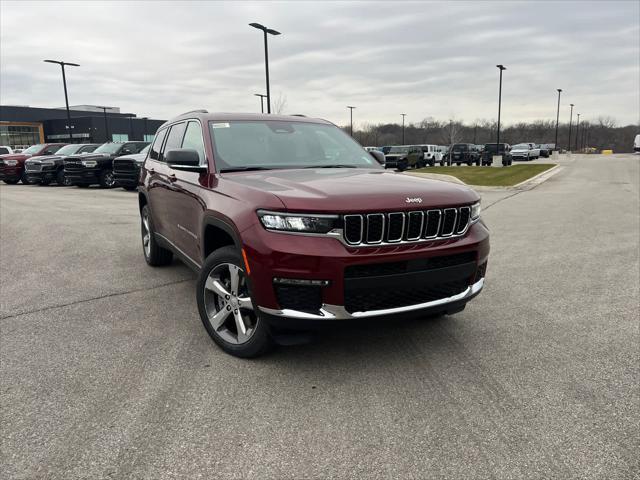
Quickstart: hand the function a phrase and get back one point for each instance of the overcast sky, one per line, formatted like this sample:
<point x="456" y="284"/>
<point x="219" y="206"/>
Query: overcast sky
<point x="425" y="59"/>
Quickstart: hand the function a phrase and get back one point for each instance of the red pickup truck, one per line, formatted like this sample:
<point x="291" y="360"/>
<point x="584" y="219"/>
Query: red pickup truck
<point x="12" y="165"/>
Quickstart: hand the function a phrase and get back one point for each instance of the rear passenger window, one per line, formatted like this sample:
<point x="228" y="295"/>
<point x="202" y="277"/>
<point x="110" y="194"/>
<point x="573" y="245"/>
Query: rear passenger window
<point x="193" y="139"/>
<point x="174" y="138"/>
<point x="154" y="152"/>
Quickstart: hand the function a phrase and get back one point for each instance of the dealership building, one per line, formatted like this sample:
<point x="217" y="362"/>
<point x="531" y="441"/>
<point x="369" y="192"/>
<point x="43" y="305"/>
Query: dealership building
<point x="22" y="126"/>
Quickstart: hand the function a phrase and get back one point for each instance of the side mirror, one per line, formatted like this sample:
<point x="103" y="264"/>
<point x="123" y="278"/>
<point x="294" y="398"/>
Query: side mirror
<point x="185" y="159"/>
<point x="378" y="155"/>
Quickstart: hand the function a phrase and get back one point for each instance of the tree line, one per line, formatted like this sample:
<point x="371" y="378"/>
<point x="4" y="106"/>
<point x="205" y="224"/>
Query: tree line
<point x="600" y="134"/>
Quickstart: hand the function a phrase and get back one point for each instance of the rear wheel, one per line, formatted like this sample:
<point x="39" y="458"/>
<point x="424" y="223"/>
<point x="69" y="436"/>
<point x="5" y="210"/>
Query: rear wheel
<point x="129" y="189"/>
<point x="45" y="183"/>
<point x="226" y="307"/>
<point x="82" y="185"/>
<point x="154" y="254"/>
<point x="11" y="181"/>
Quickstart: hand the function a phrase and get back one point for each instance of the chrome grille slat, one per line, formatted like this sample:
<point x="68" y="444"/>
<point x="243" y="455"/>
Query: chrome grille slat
<point x="395" y="228"/>
<point x="390" y="225"/>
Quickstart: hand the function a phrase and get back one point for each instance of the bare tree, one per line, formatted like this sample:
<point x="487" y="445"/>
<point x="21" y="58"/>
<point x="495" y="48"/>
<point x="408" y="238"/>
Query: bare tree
<point x="279" y="104"/>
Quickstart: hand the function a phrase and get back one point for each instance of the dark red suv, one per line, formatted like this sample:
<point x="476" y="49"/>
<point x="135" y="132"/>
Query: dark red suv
<point x="291" y="225"/>
<point x="12" y="165"/>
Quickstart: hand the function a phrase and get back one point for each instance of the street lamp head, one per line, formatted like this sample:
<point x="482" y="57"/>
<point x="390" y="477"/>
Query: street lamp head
<point x="559" y="90"/>
<point x="271" y="31"/>
<point x="61" y="63"/>
<point x="572" y="104"/>
<point x="349" y="106"/>
<point x="258" y="26"/>
<point x="501" y="67"/>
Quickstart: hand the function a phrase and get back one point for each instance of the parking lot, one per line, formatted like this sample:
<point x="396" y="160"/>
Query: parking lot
<point x="108" y="373"/>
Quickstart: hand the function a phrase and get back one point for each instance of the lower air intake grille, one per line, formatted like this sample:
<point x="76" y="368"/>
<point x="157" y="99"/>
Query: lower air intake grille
<point x="302" y="298"/>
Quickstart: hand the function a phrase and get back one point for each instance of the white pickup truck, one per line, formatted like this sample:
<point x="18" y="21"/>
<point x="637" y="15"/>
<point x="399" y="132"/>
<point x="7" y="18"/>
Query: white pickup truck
<point x="525" y="151"/>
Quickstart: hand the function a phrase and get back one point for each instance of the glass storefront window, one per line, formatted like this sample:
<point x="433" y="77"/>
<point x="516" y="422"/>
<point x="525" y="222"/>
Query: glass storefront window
<point x="120" y="137"/>
<point x="19" y="136"/>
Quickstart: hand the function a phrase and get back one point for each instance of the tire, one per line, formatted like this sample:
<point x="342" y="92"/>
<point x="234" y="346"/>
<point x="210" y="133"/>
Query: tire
<point x="106" y="179"/>
<point x="402" y="166"/>
<point x="457" y="164"/>
<point x="25" y="180"/>
<point x="45" y="183"/>
<point x="221" y="308"/>
<point x="82" y="185"/>
<point x="61" y="179"/>
<point x="129" y="189"/>
<point x="154" y="254"/>
<point x="11" y="181"/>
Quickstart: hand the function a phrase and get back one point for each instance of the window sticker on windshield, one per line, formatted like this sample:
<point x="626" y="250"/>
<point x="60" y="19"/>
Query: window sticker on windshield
<point x="219" y="125"/>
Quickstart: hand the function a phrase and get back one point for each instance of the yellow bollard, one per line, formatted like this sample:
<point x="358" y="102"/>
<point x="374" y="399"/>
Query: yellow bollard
<point x="607" y="152"/>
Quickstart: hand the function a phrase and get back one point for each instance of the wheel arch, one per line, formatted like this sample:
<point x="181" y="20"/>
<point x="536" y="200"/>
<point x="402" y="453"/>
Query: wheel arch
<point x="217" y="233"/>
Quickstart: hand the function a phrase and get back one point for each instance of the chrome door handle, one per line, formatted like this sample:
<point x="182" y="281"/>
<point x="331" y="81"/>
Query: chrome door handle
<point x="172" y="177"/>
<point x="152" y="171"/>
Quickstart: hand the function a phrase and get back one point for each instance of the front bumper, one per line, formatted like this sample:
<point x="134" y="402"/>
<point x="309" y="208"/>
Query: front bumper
<point x="278" y="255"/>
<point x="35" y="176"/>
<point x="87" y="176"/>
<point x="11" y="172"/>
<point x="338" y="312"/>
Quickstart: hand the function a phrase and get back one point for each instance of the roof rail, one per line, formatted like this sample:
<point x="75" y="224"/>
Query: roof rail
<point x="202" y="110"/>
<point x="298" y="115"/>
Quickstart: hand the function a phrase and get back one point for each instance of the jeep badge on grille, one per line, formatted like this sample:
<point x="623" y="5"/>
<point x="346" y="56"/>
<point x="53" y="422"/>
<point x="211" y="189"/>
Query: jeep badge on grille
<point x="413" y="200"/>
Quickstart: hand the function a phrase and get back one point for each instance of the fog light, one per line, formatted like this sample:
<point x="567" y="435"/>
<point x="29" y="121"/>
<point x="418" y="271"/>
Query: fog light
<point x="300" y="281"/>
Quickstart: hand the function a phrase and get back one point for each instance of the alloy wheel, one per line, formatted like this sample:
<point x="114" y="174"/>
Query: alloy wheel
<point x="146" y="235"/>
<point x="228" y="304"/>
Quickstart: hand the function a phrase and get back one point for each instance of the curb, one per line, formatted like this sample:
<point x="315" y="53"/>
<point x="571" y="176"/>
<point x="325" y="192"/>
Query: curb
<point x="539" y="178"/>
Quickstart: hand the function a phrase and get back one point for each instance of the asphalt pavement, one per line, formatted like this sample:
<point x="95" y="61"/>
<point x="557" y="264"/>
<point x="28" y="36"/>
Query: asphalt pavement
<point x="107" y="372"/>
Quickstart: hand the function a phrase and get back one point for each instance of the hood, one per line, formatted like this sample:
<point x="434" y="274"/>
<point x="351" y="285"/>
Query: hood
<point x="136" y="157"/>
<point x="42" y="158"/>
<point x="88" y="156"/>
<point x="521" y="149"/>
<point x="14" y="156"/>
<point x="343" y="190"/>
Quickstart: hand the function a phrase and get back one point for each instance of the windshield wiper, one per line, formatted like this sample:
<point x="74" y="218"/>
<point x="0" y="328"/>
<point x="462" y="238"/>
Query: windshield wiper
<point x="337" y="165"/>
<point x="243" y="169"/>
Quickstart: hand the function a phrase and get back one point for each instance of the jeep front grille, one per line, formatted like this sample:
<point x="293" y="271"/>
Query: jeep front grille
<point x="402" y="227"/>
<point x="32" y="167"/>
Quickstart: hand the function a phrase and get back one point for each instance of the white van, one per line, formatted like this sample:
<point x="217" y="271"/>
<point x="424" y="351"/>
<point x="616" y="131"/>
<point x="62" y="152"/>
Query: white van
<point x="636" y="144"/>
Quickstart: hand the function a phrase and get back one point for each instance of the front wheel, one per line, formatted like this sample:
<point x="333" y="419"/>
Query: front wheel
<point x="61" y="179"/>
<point x="11" y="181"/>
<point x="25" y="180"/>
<point x="106" y="179"/>
<point x="226" y="307"/>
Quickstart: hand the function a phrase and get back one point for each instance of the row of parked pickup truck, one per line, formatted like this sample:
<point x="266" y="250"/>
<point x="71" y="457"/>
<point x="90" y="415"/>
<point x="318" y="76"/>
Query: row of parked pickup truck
<point x="403" y="157"/>
<point x="112" y="164"/>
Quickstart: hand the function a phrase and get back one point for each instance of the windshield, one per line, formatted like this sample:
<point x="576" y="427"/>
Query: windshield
<point x="145" y="149"/>
<point x="108" y="148"/>
<point x="33" y="149"/>
<point x="69" y="149"/>
<point x="521" y="146"/>
<point x="281" y="144"/>
<point x="460" y="146"/>
<point x="399" y="150"/>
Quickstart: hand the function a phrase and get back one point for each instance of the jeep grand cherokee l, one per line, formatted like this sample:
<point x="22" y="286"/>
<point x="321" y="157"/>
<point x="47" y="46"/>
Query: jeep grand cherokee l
<point x="97" y="168"/>
<point x="45" y="169"/>
<point x="291" y="224"/>
<point x="12" y="165"/>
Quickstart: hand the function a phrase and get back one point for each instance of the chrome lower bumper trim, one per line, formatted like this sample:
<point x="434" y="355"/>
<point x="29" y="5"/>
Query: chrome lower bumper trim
<point x="338" y="312"/>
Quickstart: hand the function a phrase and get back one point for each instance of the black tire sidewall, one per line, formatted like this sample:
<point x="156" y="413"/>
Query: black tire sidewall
<point x="261" y="340"/>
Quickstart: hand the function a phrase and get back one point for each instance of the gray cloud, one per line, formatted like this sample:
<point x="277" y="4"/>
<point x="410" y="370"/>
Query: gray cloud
<point x="420" y="58"/>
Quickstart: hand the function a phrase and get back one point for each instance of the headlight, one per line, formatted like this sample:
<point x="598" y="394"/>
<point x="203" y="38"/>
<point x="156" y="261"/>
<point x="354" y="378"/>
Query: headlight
<point x="475" y="211"/>
<point x="89" y="163"/>
<point x="293" y="222"/>
<point x="11" y="163"/>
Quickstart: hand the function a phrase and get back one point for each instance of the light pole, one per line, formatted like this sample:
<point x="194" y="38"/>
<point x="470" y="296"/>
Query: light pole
<point x="501" y="67"/>
<point x="577" y="131"/>
<point x="66" y="97"/>
<point x="106" y="123"/>
<point x="403" y="115"/>
<point x="351" y="115"/>
<point x="558" y="118"/>
<point x="570" y="120"/>
<point x="270" y="31"/>
<point x="262" y="97"/>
